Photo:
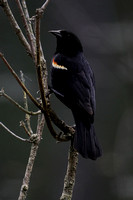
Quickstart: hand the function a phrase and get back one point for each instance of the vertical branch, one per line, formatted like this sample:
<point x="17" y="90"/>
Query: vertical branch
<point x="38" y="60"/>
<point x="39" y="69"/>
<point x="69" y="180"/>
<point x="29" y="32"/>
<point x="29" y="167"/>
<point x="26" y="13"/>
<point x="27" y="116"/>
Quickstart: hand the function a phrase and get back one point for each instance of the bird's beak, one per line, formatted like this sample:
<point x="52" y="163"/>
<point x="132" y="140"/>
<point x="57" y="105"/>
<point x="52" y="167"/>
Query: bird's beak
<point x="57" y="33"/>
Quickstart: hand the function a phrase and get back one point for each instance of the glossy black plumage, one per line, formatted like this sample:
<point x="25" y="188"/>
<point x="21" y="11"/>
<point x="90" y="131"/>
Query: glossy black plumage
<point x="73" y="83"/>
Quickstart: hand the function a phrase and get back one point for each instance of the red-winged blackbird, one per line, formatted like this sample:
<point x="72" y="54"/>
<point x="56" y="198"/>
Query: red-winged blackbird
<point x="73" y="83"/>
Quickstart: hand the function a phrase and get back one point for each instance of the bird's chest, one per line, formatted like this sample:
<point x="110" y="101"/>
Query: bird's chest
<point x="59" y="80"/>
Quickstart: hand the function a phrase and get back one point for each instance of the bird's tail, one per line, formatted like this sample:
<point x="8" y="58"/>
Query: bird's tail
<point x="85" y="141"/>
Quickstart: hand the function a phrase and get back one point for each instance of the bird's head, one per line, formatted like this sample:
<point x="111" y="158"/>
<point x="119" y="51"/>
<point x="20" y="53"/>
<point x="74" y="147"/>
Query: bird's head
<point x="67" y="43"/>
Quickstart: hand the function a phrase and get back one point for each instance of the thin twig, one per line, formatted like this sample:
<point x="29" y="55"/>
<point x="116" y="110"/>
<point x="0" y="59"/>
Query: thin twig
<point x="13" y="134"/>
<point x="41" y="9"/>
<point x="69" y="180"/>
<point x="4" y="4"/>
<point x="27" y="116"/>
<point x="22" y="124"/>
<point x="33" y="152"/>
<point x="2" y="93"/>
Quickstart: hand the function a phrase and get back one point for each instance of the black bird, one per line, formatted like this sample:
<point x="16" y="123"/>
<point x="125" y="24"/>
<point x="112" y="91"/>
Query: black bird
<point x="73" y="83"/>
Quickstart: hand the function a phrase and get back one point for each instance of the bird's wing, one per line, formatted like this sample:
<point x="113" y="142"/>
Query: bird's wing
<point x="83" y="92"/>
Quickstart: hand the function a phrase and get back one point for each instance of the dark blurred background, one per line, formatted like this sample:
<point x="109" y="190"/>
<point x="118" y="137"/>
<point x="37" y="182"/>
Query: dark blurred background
<point x="106" y="31"/>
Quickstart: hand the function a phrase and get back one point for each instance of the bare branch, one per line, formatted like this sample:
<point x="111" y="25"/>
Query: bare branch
<point x="2" y="93"/>
<point x="69" y="180"/>
<point x="29" y="31"/>
<point x="40" y="77"/>
<point x="13" y="134"/>
<point x="4" y="4"/>
<point x="33" y="152"/>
